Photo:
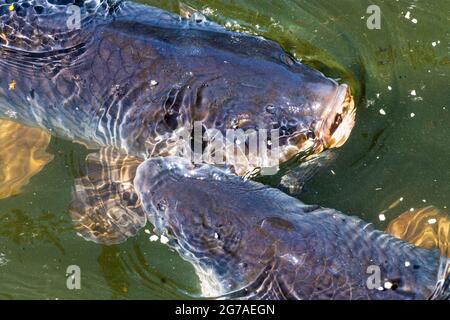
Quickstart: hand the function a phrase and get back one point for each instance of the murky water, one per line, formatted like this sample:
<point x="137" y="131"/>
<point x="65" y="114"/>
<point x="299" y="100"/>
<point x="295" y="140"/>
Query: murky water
<point x="399" y="148"/>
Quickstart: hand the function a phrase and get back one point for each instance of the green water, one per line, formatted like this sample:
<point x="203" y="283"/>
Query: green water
<point x="388" y="157"/>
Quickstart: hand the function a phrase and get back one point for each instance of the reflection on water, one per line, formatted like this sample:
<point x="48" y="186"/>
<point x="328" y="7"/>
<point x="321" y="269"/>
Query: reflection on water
<point x="22" y="155"/>
<point x="402" y="152"/>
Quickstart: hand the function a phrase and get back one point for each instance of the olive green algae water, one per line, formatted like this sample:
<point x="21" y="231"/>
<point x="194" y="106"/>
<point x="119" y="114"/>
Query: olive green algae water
<point x="399" y="149"/>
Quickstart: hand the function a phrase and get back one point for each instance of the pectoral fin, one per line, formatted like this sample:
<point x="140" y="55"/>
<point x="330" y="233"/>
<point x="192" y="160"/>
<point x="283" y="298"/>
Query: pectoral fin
<point x="105" y="207"/>
<point x="22" y="155"/>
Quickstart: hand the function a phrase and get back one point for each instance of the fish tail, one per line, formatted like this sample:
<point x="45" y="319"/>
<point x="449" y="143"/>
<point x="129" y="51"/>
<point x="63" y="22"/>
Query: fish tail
<point x="442" y="289"/>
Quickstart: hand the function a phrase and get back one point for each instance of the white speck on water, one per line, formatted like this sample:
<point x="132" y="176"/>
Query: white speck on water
<point x="413" y="92"/>
<point x="407" y="263"/>
<point x="333" y="173"/>
<point x="153" y="83"/>
<point x="147" y="231"/>
<point x="432" y="221"/>
<point x="378" y="189"/>
<point x="154" y="238"/>
<point x="412" y="114"/>
<point x="414" y="20"/>
<point x="408" y="15"/>
<point x="389" y="88"/>
<point x="435" y="43"/>
<point x="382" y="112"/>
<point x="378" y="95"/>
<point x="388" y="285"/>
<point x="382" y="217"/>
<point x="424" y="200"/>
<point x="401" y="199"/>
<point x="412" y="209"/>
<point x="208" y="11"/>
<point x="164" y="239"/>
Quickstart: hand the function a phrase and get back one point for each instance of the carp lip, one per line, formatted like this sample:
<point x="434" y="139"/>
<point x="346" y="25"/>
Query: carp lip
<point x="331" y="131"/>
<point x="337" y="121"/>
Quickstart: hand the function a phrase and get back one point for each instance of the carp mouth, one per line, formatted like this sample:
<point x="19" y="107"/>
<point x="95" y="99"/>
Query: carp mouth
<point x="337" y="121"/>
<point x="331" y="131"/>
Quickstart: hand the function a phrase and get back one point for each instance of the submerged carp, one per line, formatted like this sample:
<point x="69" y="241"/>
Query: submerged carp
<point x="264" y="244"/>
<point x="133" y="77"/>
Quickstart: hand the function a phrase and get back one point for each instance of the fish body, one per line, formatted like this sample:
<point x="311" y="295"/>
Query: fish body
<point x="133" y="77"/>
<point x="265" y="244"/>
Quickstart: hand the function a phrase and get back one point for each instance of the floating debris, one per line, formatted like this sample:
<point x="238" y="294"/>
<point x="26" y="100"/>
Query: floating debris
<point x="432" y="221"/>
<point x="382" y="112"/>
<point x="413" y="93"/>
<point x="382" y="217"/>
<point x="389" y="88"/>
<point x="407" y="264"/>
<point x="153" y="83"/>
<point x="154" y="238"/>
<point x="412" y="114"/>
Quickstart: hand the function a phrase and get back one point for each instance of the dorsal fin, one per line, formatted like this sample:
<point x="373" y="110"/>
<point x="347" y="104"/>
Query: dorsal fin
<point x="105" y="207"/>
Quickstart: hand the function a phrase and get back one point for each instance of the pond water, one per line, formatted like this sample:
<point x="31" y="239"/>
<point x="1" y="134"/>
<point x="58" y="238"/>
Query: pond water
<point x="399" y="149"/>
